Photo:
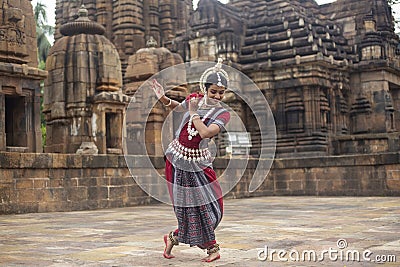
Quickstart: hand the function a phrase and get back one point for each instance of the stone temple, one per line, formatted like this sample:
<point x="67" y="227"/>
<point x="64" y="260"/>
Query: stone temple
<point x="330" y="73"/>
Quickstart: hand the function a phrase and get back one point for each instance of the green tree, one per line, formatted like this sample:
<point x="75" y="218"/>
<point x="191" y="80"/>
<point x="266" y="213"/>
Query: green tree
<point x="43" y="30"/>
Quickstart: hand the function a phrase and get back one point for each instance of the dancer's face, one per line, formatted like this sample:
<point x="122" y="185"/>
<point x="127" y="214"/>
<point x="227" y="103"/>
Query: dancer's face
<point x="215" y="93"/>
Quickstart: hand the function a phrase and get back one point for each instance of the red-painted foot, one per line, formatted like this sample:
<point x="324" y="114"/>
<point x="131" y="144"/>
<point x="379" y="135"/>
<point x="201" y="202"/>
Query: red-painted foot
<point x="167" y="256"/>
<point x="210" y="260"/>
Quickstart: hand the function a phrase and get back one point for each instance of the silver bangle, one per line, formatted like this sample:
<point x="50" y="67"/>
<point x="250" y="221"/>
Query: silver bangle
<point x="169" y="104"/>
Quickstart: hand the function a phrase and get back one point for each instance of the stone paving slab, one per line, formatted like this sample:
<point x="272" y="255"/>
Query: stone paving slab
<point x="133" y="236"/>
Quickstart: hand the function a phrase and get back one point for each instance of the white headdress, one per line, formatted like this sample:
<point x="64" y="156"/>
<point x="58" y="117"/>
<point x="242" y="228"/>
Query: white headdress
<point x="216" y="71"/>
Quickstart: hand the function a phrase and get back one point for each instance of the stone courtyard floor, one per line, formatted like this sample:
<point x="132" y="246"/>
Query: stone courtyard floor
<point x="333" y="229"/>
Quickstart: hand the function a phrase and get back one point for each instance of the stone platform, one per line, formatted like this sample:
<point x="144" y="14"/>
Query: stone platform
<point x="296" y="226"/>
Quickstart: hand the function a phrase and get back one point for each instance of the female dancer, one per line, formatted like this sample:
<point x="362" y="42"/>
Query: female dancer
<point x="195" y="192"/>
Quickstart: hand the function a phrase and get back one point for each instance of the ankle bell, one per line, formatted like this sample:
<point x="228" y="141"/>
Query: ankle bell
<point x="173" y="239"/>
<point x="213" y="249"/>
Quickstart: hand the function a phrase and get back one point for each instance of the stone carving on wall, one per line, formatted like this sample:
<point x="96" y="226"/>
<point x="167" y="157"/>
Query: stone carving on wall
<point x="12" y="35"/>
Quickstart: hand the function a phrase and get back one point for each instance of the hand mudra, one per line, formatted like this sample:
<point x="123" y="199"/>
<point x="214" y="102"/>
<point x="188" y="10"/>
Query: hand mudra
<point x="157" y="88"/>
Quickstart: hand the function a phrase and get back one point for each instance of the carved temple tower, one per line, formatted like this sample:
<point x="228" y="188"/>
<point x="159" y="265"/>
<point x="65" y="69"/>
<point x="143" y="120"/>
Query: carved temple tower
<point x="331" y="73"/>
<point x="84" y="106"/>
<point x="130" y="23"/>
<point x="19" y="79"/>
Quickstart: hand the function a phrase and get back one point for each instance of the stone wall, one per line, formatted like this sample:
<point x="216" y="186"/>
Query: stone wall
<point x="352" y="175"/>
<point x="32" y="182"/>
<point x="64" y="182"/>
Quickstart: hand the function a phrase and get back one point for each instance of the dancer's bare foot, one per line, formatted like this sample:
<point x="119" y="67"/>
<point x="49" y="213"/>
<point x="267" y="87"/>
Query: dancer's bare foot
<point x="213" y="254"/>
<point x="212" y="257"/>
<point x="169" y="241"/>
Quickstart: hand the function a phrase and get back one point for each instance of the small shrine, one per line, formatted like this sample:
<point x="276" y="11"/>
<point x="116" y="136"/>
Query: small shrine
<point x="84" y="106"/>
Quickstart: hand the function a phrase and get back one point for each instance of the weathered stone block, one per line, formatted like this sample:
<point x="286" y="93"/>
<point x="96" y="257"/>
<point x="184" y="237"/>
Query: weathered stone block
<point x="74" y="161"/>
<point x="112" y="161"/>
<point x="135" y="191"/>
<point x="53" y="206"/>
<point x="35" y="173"/>
<point x="120" y="181"/>
<point x="59" y="161"/>
<point x="58" y="173"/>
<point x="93" y="172"/>
<point x="97" y="193"/>
<point x="281" y="185"/>
<point x="393" y="184"/>
<point x="41" y="161"/>
<point x="78" y="193"/>
<point x="6" y="176"/>
<point x="25" y="207"/>
<point x="5" y="193"/>
<point x="311" y="187"/>
<point x="72" y="173"/>
<point x="117" y="192"/>
<point x="24" y="184"/>
<point x="87" y="181"/>
<point x="70" y="182"/>
<point x="41" y="183"/>
<point x="26" y="194"/>
<point x="90" y="161"/>
<point x="10" y="160"/>
<point x="295" y="186"/>
<point x="27" y="160"/>
<point x="56" y="183"/>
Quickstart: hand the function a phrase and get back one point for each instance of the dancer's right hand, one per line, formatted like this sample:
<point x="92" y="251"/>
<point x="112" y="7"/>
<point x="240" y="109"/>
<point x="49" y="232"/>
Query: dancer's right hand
<point x="158" y="89"/>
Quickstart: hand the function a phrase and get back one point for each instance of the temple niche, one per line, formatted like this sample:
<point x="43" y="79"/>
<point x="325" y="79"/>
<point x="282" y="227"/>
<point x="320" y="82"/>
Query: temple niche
<point x="20" y="122"/>
<point x="329" y="72"/>
<point x="84" y="106"/>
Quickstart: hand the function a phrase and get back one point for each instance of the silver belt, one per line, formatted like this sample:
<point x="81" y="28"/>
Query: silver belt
<point x="187" y="153"/>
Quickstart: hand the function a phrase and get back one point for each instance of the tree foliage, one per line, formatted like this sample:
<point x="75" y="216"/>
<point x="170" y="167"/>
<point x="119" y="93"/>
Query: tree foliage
<point x="42" y="31"/>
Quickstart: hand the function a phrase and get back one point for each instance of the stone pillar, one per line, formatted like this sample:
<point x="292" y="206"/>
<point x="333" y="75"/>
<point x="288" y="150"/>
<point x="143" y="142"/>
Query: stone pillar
<point x="104" y="16"/>
<point x="167" y="17"/>
<point x="128" y="28"/>
<point x="151" y="17"/>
